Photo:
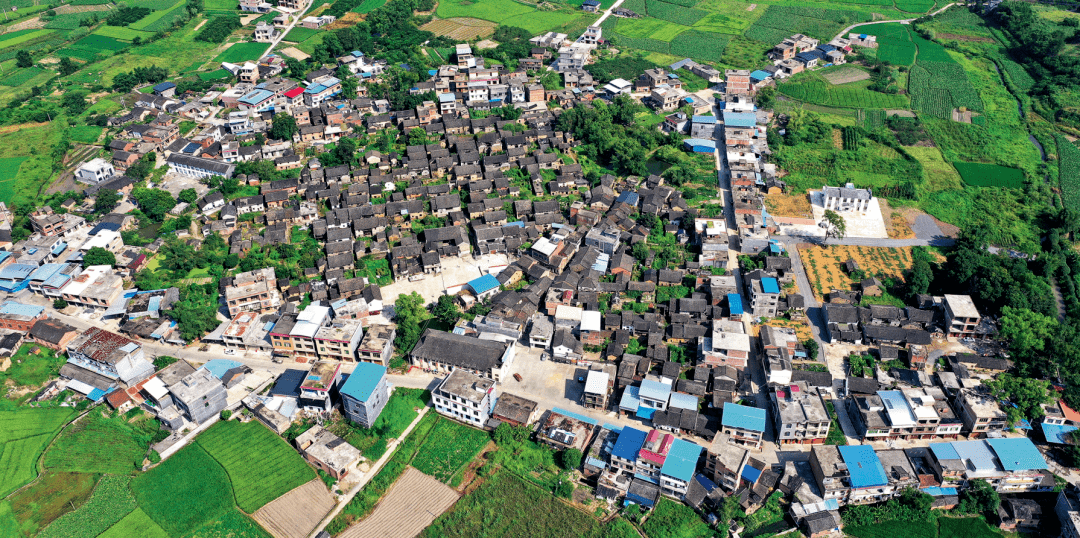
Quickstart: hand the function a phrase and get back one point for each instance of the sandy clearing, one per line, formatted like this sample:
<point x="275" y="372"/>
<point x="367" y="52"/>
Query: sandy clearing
<point x="295" y="53"/>
<point x="296" y="513"/>
<point x="412" y="503"/>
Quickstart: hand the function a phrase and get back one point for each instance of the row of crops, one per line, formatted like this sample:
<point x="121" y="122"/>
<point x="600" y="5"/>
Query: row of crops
<point x="674" y="13"/>
<point x="708" y="46"/>
<point x="1069" y="172"/>
<point x="779" y="22"/>
<point x="817" y="91"/>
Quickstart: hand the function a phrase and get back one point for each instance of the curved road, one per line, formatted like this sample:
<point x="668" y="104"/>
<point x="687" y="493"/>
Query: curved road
<point x="901" y="21"/>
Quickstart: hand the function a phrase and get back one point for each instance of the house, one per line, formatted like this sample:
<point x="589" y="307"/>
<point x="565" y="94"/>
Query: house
<point x="724" y="462"/>
<point x="541" y="331"/>
<point x="744" y="425"/>
<point x="20" y="317"/>
<point x="253" y="291"/>
<point x="200" y="395"/>
<point x="108" y="355"/>
<point x="961" y="316"/>
<point x="679" y="467"/>
<point x="316" y="386"/>
<point x="597" y="386"/>
<point x="199" y="167"/>
<point x="339" y="340"/>
<point x="365" y="393"/>
<point x="53" y="334"/>
<point x="465" y="397"/>
<point x="980" y="412"/>
<point x="377" y="346"/>
<point x="869" y="483"/>
<point x="514" y="410"/>
<point x="799" y="414"/>
<point x="95" y="171"/>
<point x="728" y="345"/>
<point x="327" y="452"/>
<point x="590" y="6"/>
<point x="830" y="472"/>
<point x="563" y="430"/>
<point x="444" y="352"/>
<point x="847" y="199"/>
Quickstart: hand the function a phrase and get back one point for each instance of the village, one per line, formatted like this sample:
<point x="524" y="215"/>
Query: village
<point x="684" y="349"/>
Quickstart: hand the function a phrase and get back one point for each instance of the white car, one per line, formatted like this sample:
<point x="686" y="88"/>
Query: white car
<point x="230" y="352"/>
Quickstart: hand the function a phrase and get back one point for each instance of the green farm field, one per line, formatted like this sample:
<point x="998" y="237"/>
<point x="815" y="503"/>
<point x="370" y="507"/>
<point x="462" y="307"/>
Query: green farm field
<point x="812" y="88"/>
<point x="241" y="52"/>
<point x="510" y="13"/>
<point x="136" y="523"/>
<point x="261" y="465"/>
<point x="299" y="34"/>
<point x="39" y="504"/>
<point x="990" y="175"/>
<point x="185" y="491"/>
<point x="96" y="444"/>
<point x="24" y="433"/>
<point x="449" y="447"/>
<point x="22" y="36"/>
<point x="121" y="33"/>
<point x="109" y="504"/>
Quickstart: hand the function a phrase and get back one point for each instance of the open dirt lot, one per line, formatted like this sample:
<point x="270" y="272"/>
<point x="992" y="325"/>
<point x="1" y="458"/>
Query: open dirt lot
<point x="412" y="503"/>
<point x="825" y="272"/>
<point x="789" y="205"/>
<point x="295" y="53"/>
<point x="296" y="513"/>
<point x="846" y="74"/>
<point x="460" y="28"/>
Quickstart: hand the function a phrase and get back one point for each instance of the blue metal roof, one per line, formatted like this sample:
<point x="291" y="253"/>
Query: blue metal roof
<point x="1057" y="433"/>
<point x="255" y="97"/>
<point x="17" y="271"/>
<point x="645" y="412"/>
<point x="699" y="143"/>
<point x="944" y="451"/>
<point x="705" y="482"/>
<point x="703" y="119"/>
<point x="629" y="443"/>
<point x="1017" y="454"/>
<point x="46" y="271"/>
<point x="682" y="460"/>
<point x="627" y="197"/>
<point x="769" y="285"/>
<point x="734" y="301"/>
<point x="939" y="492"/>
<point x="218" y="367"/>
<point x="864" y="466"/>
<point x="19" y="309"/>
<point x="750" y="474"/>
<point x="976" y="454"/>
<point x="164" y="86"/>
<point x="741" y="416"/>
<point x="654" y="390"/>
<point x="574" y="415"/>
<point x="680" y="64"/>
<point x="484" y="284"/>
<point x="363" y="380"/>
<point x="740" y="119"/>
<point x="679" y="400"/>
<point x="630" y="400"/>
<point x="760" y="75"/>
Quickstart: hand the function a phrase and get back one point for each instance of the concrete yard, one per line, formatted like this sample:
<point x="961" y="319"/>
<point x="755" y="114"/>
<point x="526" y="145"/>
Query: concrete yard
<point x="455" y="273"/>
<point x="868" y="224"/>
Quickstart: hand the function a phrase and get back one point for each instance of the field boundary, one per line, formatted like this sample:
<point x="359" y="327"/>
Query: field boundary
<point x="40" y="465"/>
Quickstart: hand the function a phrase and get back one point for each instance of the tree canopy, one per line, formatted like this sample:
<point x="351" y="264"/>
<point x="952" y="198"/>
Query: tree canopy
<point x="98" y="256"/>
<point x="154" y="203"/>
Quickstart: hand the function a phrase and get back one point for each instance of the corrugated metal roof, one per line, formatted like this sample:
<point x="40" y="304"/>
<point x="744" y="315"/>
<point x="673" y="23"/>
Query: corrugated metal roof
<point x="630" y="400"/>
<point x="681" y="460"/>
<point x="976" y="454"/>
<point x="750" y="474"/>
<point x="741" y="416"/>
<point x="484" y="283"/>
<point x="573" y="415"/>
<point x="679" y="400"/>
<point x="1057" y="433"/>
<point x="944" y="451"/>
<point x="735" y="304"/>
<point x="769" y="285"/>
<point x="629" y="443"/>
<point x="654" y="390"/>
<point x="864" y="466"/>
<point x="1017" y="454"/>
<point x="740" y="119"/>
<point x="363" y="380"/>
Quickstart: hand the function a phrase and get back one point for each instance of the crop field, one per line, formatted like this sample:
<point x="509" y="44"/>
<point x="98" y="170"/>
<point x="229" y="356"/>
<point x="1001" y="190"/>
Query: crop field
<point x="844" y="74"/>
<point x="70" y="21"/>
<point x="22" y="36"/>
<point x="240" y="52"/>
<point x="95" y="43"/>
<point x="96" y="444"/>
<point x="231" y="524"/>
<point x="299" y="34"/>
<point x="261" y="465"/>
<point x="672" y="519"/>
<point x="965" y="527"/>
<point x="86" y="134"/>
<point x="185" y="491"/>
<point x="825" y="271"/>
<point x="110" y="502"/>
<point x="22" y="76"/>
<point x="158" y="20"/>
<point x="23" y="435"/>
<point x="541" y="21"/>
<point x="1069" y="172"/>
<point x="894" y="43"/>
<point x="940" y="174"/>
<point x="990" y="175"/>
<point x="9" y="167"/>
<point x="136" y="523"/>
<point x="489" y="10"/>
<point x="779" y="22"/>
<point x="298" y="512"/>
<point x="449" y="447"/>
<point x="813" y="89"/>
<point x="413" y="502"/>
<point x="686" y="16"/>
<point x="460" y="28"/>
<point x="121" y="33"/>
<point x="50" y="497"/>
<point x="367" y="6"/>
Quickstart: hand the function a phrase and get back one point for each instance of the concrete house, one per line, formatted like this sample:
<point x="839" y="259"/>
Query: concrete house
<point x="465" y="397"/>
<point x="200" y="395"/>
<point x="365" y="393"/>
<point x="328" y="452"/>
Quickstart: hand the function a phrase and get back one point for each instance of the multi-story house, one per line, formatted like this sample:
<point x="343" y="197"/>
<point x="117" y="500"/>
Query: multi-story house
<point x="625" y="452"/>
<point x="679" y="468"/>
<point x="744" y="425"/>
<point x="109" y="354"/>
<point x="799" y="414"/>
<point x="294" y="334"/>
<point x="365" y="393"/>
<point x="317" y="384"/>
<point x="466" y="397"/>
<point x="728" y="345"/>
<point x="339" y="340"/>
<point x="869" y="483"/>
<point x="724" y="463"/>
<point x="200" y="395"/>
<point x="377" y="346"/>
<point x="980" y="413"/>
<point x="253" y="291"/>
<point x="652" y="454"/>
<point x="830" y="472"/>
<point x="961" y="316"/>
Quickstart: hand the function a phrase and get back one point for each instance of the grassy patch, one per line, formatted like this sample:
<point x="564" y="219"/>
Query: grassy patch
<point x="54" y="495"/>
<point x="261" y="465"/>
<point x="29" y="370"/>
<point x="675" y="520"/>
<point x="990" y="175"/>
<point x="22" y="36"/>
<point x="891" y="529"/>
<point x="97" y="444"/>
<point x="24" y="432"/>
<point x="231" y="524"/>
<point x="506" y="506"/>
<point x="185" y="491"/>
<point x="450" y="446"/>
<point x="120" y="32"/>
<point x="240" y="52"/>
<point x="836" y="434"/>
<point x="136" y="523"/>
<point x="811" y="87"/>
<point x="965" y="527"/>
<point x="86" y="134"/>
<point x="299" y="34"/>
<point x="399" y="412"/>
<point x="111" y="501"/>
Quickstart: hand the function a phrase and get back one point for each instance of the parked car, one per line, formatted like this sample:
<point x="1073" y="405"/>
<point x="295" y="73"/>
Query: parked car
<point x="517" y="377"/>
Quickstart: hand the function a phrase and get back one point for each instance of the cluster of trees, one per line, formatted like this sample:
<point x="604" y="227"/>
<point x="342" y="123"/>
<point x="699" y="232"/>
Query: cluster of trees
<point x="624" y="67"/>
<point x="125" y="82"/>
<point x="218" y="28"/>
<point x="409" y="314"/>
<point x="154" y="204"/>
<point x="1026" y="396"/>
<point x="513" y="45"/>
<point x="126" y="15"/>
<point x="388" y="32"/>
<point x="610" y="134"/>
<point x="1038" y="46"/>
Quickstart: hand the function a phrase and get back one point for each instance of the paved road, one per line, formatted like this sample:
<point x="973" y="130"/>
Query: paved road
<point x="845" y="31"/>
<point x="295" y="19"/>
<point x="607" y="13"/>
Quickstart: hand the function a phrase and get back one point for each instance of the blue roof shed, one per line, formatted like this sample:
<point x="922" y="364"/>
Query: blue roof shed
<point x="734" y="301"/>
<point x="654" y="390"/>
<point x="769" y="285"/>
<point x="759" y="75"/>
<point x="703" y="119"/>
<point x="164" y="86"/>
<point x="682" y="460"/>
<point x="740" y="119"/>
<point x="864" y="466"/>
<point x="744" y="417"/>
<point x="629" y="443"/>
<point x="363" y="380"/>
<point x="483" y="284"/>
<point x="1057" y="433"/>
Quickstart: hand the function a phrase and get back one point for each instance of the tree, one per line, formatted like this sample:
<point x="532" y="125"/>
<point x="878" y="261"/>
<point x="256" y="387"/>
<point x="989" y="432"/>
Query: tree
<point x="74" y="102"/>
<point x="921" y="272"/>
<point x="188" y="196"/>
<point x="142" y="167"/>
<point x="67" y="66"/>
<point x="837" y="224"/>
<point x="409" y="313"/>
<point x="59" y="304"/>
<point x="23" y="59"/>
<point x="348" y="87"/>
<point x="418" y="136"/>
<point x="226" y="414"/>
<point x="570" y="459"/>
<point x="1025" y="395"/>
<point x="105" y="201"/>
<point x="231" y="260"/>
<point x="283" y="127"/>
<point x="196" y="311"/>
<point x="640" y="251"/>
<point x="1027" y="331"/>
<point x="811" y="346"/>
<point x="446" y="310"/>
<point x="506" y="434"/>
<point x="979" y="497"/>
<point x="766" y="98"/>
<point x="99" y="256"/>
<point x="229" y="185"/>
<point x="154" y="203"/>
